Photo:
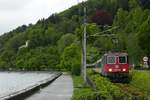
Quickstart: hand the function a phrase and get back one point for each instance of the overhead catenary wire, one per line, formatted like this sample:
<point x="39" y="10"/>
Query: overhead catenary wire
<point x="108" y="30"/>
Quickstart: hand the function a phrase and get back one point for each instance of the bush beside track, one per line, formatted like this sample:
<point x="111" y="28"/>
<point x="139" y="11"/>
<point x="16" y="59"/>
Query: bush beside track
<point x="107" y="89"/>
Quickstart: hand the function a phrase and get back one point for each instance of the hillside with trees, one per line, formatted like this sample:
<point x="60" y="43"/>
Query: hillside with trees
<point x="55" y="42"/>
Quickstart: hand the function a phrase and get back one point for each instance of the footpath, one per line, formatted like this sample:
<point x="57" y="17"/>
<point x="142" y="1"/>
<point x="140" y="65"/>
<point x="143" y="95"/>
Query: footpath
<point x="60" y="89"/>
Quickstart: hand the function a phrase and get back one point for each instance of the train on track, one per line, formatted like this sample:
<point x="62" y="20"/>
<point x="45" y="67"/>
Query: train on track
<point x="115" y="65"/>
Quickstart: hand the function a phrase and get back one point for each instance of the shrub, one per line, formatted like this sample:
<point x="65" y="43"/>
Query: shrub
<point x="106" y="89"/>
<point x="76" y="68"/>
<point x="70" y="59"/>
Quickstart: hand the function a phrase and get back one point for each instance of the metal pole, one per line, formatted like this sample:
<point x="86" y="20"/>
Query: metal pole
<point x="84" y="47"/>
<point x="82" y="68"/>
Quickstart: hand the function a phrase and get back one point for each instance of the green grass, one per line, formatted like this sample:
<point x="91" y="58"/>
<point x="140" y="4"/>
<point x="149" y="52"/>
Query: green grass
<point x="80" y="91"/>
<point x="141" y="80"/>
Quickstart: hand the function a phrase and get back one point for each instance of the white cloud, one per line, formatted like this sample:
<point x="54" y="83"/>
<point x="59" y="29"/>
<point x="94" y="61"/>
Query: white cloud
<point x="9" y="5"/>
<point x="14" y="13"/>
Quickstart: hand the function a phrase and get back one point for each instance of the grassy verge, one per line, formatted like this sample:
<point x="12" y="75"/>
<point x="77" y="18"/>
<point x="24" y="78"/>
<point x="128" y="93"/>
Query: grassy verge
<point x="134" y="92"/>
<point x="80" y="92"/>
<point x="141" y="80"/>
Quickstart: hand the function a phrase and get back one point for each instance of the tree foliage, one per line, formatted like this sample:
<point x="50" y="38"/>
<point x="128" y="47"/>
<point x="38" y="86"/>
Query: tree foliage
<point x="102" y="18"/>
<point x="144" y="36"/>
<point x="71" y="59"/>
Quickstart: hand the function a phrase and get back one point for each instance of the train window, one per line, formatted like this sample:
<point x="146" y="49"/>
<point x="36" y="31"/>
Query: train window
<point x="122" y="59"/>
<point x="111" y="60"/>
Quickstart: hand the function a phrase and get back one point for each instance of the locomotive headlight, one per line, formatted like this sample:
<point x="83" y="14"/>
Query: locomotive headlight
<point x="124" y="70"/>
<point x="110" y="70"/>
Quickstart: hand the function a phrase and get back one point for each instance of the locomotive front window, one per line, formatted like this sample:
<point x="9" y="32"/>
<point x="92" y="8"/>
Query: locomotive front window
<point x="122" y="59"/>
<point x="111" y="60"/>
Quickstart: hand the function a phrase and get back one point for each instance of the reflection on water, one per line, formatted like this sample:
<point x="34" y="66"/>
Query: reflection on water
<point x="14" y="81"/>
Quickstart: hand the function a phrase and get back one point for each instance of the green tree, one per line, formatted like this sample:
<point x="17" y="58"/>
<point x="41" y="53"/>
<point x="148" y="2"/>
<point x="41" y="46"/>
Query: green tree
<point x="92" y="29"/>
<point x="144" y="36"/>
<point x="71" y="59"/>
<point x="92" y="54"/>
<point x="66" y="40"/>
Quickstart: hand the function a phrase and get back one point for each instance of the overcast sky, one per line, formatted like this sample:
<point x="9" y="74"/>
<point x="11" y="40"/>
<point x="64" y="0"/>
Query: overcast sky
<point x="14" y="13"/>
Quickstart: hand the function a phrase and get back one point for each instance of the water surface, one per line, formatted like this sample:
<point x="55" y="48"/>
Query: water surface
<point x="15" y="81"/>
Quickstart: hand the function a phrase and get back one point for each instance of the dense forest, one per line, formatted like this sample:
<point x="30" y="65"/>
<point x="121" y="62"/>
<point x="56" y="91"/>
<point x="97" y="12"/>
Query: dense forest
<point x="55" y="42"/>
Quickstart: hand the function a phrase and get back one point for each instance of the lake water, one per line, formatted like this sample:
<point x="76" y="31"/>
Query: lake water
<point x="15" y="81"/>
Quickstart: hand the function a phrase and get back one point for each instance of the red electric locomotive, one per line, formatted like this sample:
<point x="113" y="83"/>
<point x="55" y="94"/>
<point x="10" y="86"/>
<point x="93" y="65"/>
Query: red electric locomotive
<point x="115" y="65"/>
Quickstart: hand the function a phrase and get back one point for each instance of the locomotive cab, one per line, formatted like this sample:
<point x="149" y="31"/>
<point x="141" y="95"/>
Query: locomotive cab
<point x="115" y="65"/>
